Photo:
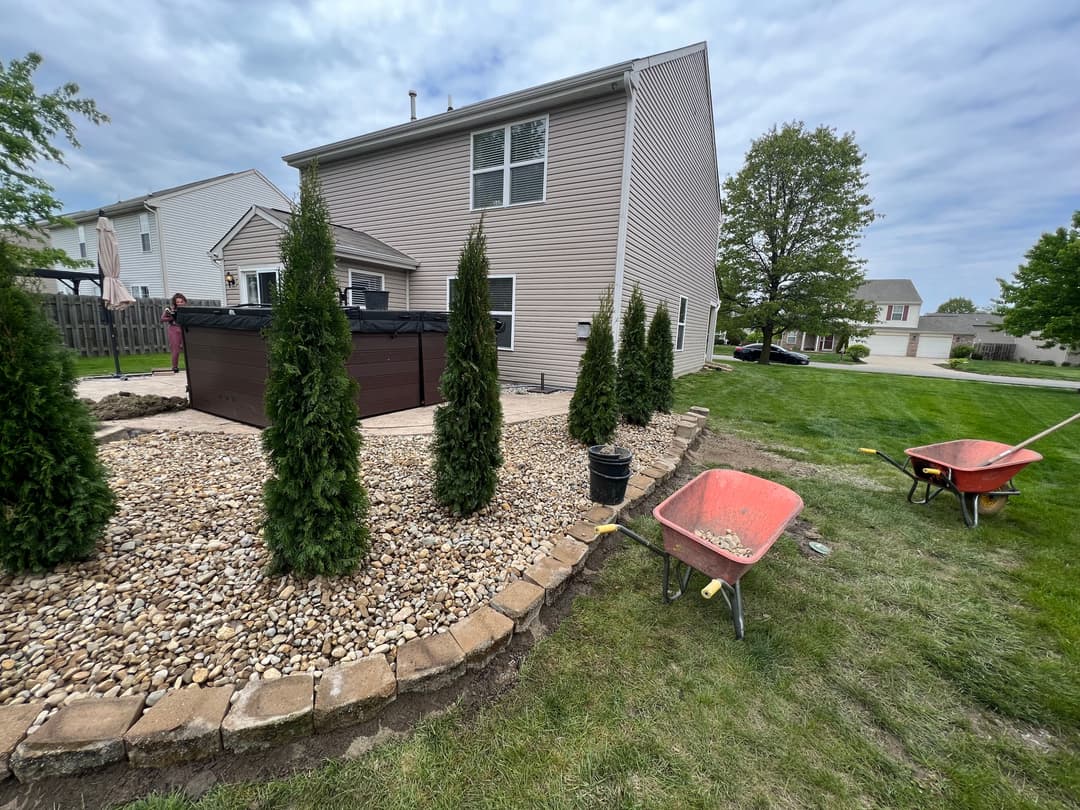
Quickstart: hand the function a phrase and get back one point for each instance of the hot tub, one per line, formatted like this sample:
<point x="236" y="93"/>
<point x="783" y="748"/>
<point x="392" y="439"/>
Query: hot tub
<point x="397" y="358"/>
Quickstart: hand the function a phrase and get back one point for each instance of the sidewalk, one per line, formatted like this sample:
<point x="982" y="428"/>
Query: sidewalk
<point x="926" y="367"/>
<point x="414" y="422"/>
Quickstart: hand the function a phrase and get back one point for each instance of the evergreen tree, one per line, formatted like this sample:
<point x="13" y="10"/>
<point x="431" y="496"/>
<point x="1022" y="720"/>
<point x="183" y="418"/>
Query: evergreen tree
<point x="469" y="426"/>
<point x="661" y="360"/>
<point x="54" y="498"/>
<point x="594" y="411"/>
<point x="635" y="396"/>
<point x="316" y="507"/>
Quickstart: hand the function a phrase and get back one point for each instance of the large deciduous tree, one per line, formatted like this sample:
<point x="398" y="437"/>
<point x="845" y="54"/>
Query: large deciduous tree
<point x="795" y="213"/>
<point x="54" y="497"/>
<point x="958" y="306"/>
<point x="1044" y="294"/>
<point x="316" y="507"/>
<point x="468" y="428"/>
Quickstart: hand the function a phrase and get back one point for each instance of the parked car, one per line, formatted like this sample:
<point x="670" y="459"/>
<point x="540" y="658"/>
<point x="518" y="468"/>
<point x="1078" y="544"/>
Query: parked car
<point x="752" y="351"/>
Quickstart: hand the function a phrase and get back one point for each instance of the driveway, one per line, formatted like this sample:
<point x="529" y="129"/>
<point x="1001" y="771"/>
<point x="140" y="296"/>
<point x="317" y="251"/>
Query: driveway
<point x="926" y="367"/>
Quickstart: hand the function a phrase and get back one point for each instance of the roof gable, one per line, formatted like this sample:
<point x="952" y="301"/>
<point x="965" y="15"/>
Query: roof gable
<point x="889" y="291"/>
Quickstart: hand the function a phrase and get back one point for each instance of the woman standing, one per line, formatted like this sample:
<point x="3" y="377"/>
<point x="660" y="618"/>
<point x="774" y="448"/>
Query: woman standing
<point x="176" y="334"/>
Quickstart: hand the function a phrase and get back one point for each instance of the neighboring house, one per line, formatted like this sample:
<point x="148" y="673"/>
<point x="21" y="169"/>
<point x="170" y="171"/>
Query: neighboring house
<point x="605" y="179"/>
<point x="251" y="261"/>
<point x="165" y="236"/>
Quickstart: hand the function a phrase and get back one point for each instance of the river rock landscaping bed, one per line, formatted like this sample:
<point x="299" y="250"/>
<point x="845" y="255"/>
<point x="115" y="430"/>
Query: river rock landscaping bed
<point x="178" y="595"/>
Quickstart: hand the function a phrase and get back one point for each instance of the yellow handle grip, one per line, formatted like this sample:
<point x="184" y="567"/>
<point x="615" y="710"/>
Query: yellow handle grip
<point x="931" y="471"/>
<point x="607" y="528"/>
<point x="710" y="590"/>
<point x="868" y="450"/>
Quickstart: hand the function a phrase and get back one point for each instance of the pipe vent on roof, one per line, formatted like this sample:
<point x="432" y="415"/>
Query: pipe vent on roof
<point x="449" y="102"/>
<point x="412" y="105"/>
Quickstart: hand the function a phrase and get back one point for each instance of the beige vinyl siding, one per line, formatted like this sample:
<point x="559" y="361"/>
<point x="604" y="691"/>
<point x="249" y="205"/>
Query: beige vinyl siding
<point x="673" y="205"/>
<point x="136" y="266"/>
<point x="561" y="252"/>
<point x="255" y="245"/>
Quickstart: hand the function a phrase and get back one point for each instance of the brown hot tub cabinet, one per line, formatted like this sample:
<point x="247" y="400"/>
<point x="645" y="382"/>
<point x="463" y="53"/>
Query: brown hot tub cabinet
<point x="397" y="357"/>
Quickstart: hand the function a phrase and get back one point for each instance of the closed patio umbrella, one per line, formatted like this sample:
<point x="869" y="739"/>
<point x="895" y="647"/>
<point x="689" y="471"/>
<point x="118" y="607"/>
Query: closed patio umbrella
<point x="114" y="296"/>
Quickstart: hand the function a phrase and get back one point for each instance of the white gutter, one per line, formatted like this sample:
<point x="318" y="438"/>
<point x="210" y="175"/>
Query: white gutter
<point x="630" y="83"/>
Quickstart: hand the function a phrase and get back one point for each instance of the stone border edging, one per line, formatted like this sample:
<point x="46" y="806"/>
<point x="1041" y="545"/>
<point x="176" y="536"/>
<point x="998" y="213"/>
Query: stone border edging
<point x="196" y="723"/>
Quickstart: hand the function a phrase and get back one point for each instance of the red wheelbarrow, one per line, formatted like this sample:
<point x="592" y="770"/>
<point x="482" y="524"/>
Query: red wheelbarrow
<point x="716" y="503"/>
<point x="960" y="467"/>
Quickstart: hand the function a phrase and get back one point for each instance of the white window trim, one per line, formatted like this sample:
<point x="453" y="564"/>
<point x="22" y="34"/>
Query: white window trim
<point x="495" y="313"/>
<point x="507" y="165"/>
<point x="242" y="271"/>
<point x="144" y="233"/>
<point x="380" y="276"/>
<point x="82" y="242"/>
<point x="889" y="312"/>
<point x="685" y="313"/>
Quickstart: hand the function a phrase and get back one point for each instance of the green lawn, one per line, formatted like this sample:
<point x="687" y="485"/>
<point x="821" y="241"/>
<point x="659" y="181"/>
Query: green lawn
<point x="129" y="364"/>
<point x="1010" y="369"/>
<point x="922" y="664"/>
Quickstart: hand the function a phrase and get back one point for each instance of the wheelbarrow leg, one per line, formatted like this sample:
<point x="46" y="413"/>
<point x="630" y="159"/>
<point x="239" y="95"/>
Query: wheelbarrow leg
<point x="733" y="596"/>
<point x="683" y="578"/>
<point x="969" y="505"/>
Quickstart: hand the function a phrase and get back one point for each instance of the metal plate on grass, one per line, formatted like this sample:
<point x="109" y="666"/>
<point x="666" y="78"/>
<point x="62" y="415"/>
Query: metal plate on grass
<point x="820" y="548"/>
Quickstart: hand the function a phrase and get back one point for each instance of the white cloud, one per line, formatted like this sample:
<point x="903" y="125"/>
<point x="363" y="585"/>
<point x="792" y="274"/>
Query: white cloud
<point x="965" y="111"/>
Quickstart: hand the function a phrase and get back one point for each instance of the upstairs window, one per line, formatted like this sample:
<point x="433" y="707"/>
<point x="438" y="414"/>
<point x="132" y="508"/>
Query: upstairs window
<point x="501" y="298"/>
<point x="82" y="242"/>
<point x="509" y="164"/>
<point x="897" y="312"/>
<point x="144" y="231"/>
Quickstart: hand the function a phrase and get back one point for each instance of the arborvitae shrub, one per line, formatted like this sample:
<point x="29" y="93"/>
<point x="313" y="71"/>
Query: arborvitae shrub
<point x="633" y="390"/>
<point x="661" y="359"/>
<point x="316" y="507"/>
<point x="468" y="427"/>
<point x="54" y="497"/>
<point x="594" y="412"/>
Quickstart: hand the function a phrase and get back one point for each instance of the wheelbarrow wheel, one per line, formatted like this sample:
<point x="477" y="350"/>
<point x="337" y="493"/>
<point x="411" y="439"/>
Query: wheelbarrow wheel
<point x="987" y="504"/>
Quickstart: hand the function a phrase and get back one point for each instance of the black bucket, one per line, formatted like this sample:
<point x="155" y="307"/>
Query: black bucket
<point x="608" y="474"/>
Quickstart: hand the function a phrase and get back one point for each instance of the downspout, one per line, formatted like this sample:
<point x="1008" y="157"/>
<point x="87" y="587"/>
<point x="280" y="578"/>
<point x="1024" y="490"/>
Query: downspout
<point x="630" y="83"/>
<point x="161" y="247"/>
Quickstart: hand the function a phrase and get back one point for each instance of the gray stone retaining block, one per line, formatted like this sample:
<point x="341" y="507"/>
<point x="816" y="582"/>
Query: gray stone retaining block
<point x="82" y="736"/>
<point x="520" y="601"/>
<point x="270" y="712"/>
<point x="482" y="635"/>
<point x="184" y="725"/>
<point x="585" y="532"/>
<point x="352" y="693"/>
<point x="14" y="722"/>
<point x="429" y="663"/>
<point x="549" y="574"/>
<point x="571" y="552"/>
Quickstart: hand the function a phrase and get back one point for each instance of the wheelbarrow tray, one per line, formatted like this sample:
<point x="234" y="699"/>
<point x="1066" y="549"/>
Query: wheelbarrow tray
<point x="755" y="509"/>
<point x="964" y="458"/>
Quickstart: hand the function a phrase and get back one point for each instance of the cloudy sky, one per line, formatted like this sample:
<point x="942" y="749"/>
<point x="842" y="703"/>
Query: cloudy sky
<point x="968" y="112"/>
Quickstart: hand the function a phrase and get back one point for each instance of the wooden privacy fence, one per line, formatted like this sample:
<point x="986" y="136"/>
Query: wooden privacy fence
<point x="139" y="329"/>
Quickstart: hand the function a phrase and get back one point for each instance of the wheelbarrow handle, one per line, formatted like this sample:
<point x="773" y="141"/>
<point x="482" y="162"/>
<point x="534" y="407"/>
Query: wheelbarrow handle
<point x="608" y="528"/>
<point x="710" y="590"/>
<point x="901" y="467"/>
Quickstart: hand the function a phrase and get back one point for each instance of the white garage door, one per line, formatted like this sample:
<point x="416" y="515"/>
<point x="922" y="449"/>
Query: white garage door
<point x="934" y="346"/>
<point x="888" y="345"/>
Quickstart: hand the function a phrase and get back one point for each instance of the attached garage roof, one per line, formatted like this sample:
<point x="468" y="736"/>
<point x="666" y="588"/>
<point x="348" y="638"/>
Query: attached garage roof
<point x="958" y="324"/>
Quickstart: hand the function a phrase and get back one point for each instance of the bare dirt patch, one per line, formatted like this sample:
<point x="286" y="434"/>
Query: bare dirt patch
<point x="126" y="405"/>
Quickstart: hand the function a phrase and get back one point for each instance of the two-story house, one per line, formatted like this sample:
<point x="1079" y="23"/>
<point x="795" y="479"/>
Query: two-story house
<point x="605" y="179"/>
<point x="165" y="237"/>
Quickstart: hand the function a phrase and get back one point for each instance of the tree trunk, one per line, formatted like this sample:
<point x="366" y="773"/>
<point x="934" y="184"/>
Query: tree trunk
<point x="766" y="344"/>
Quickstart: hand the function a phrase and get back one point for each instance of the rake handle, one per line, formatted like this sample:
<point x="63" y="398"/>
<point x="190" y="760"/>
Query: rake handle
<point x="1026" y="442"/>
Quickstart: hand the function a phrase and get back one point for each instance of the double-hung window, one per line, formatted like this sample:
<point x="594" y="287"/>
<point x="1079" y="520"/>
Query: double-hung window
<point x="501" y="295"/>
<point x="82" y="242"/>
<point x="897" y="312"/>
<point x="144" y="231"/>
<point x="680" y="330"/>
<point x="359" y="283"/>
<point x="257" y="285"/>
<point x="509" y="164"/>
